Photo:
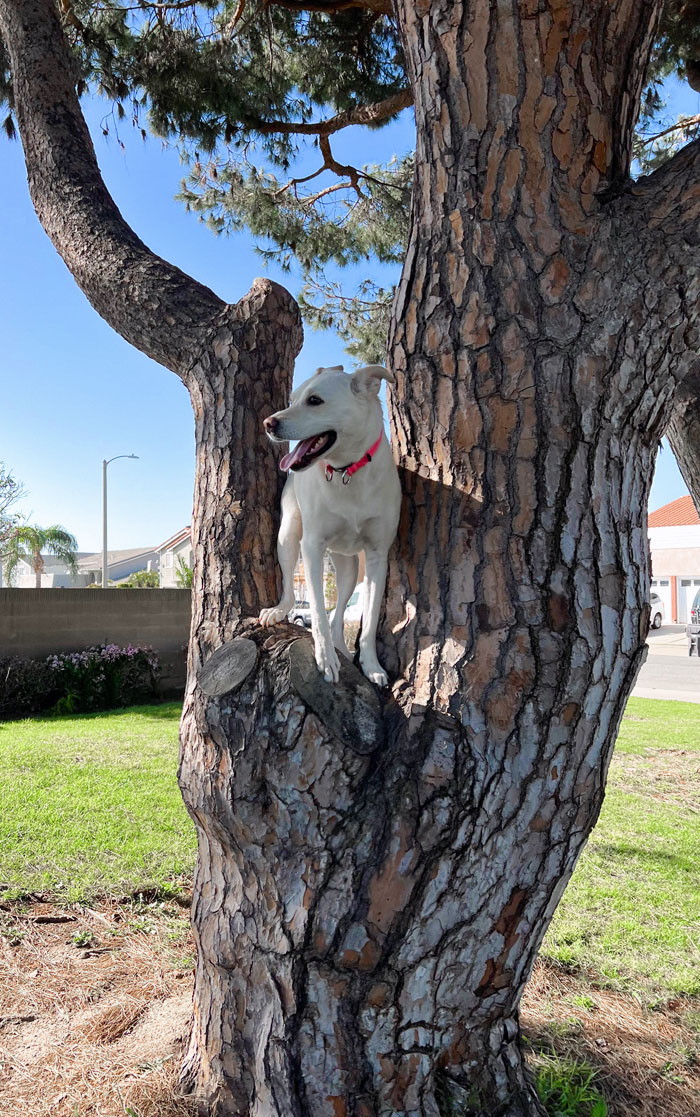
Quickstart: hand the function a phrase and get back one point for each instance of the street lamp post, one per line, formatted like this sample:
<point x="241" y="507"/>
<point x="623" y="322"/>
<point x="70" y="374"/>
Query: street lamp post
<point x="104" y="514"/>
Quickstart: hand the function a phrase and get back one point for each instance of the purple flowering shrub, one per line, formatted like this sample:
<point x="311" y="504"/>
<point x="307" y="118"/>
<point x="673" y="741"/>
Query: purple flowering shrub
<point x="103" y="677"/>
<point x="98" y="678"/>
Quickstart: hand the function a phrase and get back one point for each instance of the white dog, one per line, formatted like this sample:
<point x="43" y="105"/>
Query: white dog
<point x="342" y="496"/>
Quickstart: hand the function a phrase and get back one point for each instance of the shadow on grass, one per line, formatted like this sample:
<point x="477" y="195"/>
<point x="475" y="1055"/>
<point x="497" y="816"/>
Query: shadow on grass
<point x="626" y="853"/>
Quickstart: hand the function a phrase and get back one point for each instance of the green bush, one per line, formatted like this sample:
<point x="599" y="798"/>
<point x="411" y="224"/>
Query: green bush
<point x="98" y="678"/>
<point x="141" y="580"/>
<point x="184" y="575"/>
<point x="26" y="686"/>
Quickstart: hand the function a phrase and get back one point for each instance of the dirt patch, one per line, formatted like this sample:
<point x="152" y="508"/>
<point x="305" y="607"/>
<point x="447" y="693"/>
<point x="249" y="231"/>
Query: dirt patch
<point x="648" y="1059"/>
<point x="671" y="776"/>
<point x="94" y="1014"/>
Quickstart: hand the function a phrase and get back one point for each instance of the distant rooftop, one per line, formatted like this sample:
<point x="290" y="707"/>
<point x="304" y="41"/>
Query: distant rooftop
<point x="94" y="561"/>
<point x="679" y="513"/>
<point x="51" y="560"/>
<point x="183" y="533"/>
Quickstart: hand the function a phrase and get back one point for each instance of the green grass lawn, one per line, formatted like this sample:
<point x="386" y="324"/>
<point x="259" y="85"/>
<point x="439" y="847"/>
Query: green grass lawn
<point x="89" y="804"/>
<point x="632" y="910"/>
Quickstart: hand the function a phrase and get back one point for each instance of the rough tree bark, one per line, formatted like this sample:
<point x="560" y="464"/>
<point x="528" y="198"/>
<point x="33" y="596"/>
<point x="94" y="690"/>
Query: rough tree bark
<point x="684" y="434"/>
<point x="375" y="875"/>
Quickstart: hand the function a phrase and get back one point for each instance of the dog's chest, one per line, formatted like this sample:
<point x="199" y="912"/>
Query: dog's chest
<point x="345" y="516"/>
<point x="347" y="538"/>
<point x="347" y="527"/>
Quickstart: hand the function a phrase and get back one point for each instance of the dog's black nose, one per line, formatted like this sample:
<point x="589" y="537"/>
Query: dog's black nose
<point x="271" y="424"/>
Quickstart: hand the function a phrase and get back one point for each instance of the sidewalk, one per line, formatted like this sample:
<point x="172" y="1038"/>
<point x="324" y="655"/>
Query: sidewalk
<point x="669" y="672"/>
<point x="670" y="639"/>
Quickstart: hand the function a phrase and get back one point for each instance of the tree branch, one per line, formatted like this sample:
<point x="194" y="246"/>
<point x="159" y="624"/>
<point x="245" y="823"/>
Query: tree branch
<point x="362" y="114"/>
<point x="381" y="7"/>
<point x="235" y="18"/>
<point x="684" y="124"/>
<point x="668" y="200"/>
<point x="666" y="204"/>
<point x="70" y="17"/>
<point x="684" y="434"/>
<point x="151" y="303"/>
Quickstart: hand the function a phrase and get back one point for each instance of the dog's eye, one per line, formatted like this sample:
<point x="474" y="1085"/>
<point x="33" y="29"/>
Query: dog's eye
<point x="314" y="401"/>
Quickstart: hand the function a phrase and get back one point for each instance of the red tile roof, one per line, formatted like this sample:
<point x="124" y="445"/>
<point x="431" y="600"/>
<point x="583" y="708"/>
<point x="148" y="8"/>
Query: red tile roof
<point x="679" y="513"/>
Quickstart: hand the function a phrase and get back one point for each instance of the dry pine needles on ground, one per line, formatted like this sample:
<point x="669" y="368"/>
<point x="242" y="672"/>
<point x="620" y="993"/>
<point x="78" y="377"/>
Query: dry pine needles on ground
<point x="95" y="1004"/>
<point x="93" y="1013"/>
<point x="648" y="1060"/>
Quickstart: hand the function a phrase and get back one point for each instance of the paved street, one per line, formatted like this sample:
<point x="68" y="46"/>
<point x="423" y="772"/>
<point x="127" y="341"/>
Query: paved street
<point x="669" y="671"/>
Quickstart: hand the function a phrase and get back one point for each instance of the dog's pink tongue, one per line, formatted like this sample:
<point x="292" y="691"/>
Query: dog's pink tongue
<point x="296" y="454"/>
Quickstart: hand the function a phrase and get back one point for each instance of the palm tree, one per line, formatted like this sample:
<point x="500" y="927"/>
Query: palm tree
<point x="28" y="542"/>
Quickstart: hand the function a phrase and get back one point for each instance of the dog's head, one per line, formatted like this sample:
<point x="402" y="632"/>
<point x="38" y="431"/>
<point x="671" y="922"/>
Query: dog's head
<point x="331" y="415"/>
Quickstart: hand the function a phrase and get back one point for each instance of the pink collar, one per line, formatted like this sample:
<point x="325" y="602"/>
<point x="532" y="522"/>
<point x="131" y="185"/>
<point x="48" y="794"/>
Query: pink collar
<point x="348" y="470"/>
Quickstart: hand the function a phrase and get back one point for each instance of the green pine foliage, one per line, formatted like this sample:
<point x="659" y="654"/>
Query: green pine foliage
<point x="238" y="85"/>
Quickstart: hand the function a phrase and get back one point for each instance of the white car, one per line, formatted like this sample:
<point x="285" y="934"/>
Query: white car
<point x="657" y="611"/>
<point x="301" y="614"/>
<point x="353" y="609"/>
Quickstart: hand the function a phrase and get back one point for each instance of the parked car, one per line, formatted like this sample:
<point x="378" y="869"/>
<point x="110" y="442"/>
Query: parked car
<point x="301" y="614"/>
<point x="658" y="611"/>
<point x="353" y="609"/>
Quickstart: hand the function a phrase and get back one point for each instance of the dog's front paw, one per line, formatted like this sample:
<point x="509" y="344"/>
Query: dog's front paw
<point x="373" y="670"/>
<point x="272" y="616"/>
<point x="327" y="662"/>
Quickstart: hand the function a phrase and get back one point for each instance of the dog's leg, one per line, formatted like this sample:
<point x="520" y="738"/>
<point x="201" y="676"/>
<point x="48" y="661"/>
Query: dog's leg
<point x="375" y="581"/>
<point x="288" y="555"/>
<point x="312" y="552"/>
<point x="346" y="569"/>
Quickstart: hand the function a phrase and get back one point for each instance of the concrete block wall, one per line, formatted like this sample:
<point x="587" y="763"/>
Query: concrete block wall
<point x="37" y="623"/>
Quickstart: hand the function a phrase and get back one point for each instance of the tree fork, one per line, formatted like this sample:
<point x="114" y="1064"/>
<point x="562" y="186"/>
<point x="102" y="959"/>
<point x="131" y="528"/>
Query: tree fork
<point x="309" y="880"/>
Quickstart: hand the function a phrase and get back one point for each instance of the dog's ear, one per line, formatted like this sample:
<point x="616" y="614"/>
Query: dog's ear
<point x="365" y="381"/>
<point x="333" y="368"/>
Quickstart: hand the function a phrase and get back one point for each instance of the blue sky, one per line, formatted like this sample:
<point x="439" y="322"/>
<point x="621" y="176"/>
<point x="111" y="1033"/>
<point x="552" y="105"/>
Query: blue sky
<point x="72" y="392"/>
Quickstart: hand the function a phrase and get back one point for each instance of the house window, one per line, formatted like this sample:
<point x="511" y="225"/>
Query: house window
<point x="167" y="560"/>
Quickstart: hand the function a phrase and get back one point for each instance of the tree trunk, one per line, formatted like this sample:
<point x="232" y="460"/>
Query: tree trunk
<point x="38" y="564"/>
<point x="684" y="433"/>
<point x="376" y="873"/>
<point x="366" y="923"/>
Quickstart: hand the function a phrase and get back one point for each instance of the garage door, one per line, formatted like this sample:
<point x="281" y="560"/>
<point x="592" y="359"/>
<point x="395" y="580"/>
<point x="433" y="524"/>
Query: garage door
<point x="687" y="588"/>
<point x="662" y="586"/>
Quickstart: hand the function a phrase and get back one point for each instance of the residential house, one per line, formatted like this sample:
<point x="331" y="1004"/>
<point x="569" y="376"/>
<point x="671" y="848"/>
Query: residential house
<point x="177" y="547"/>
<point x="55" y="574"/>
<point x="120" y="564"/>
<point x="674" y="538"/>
